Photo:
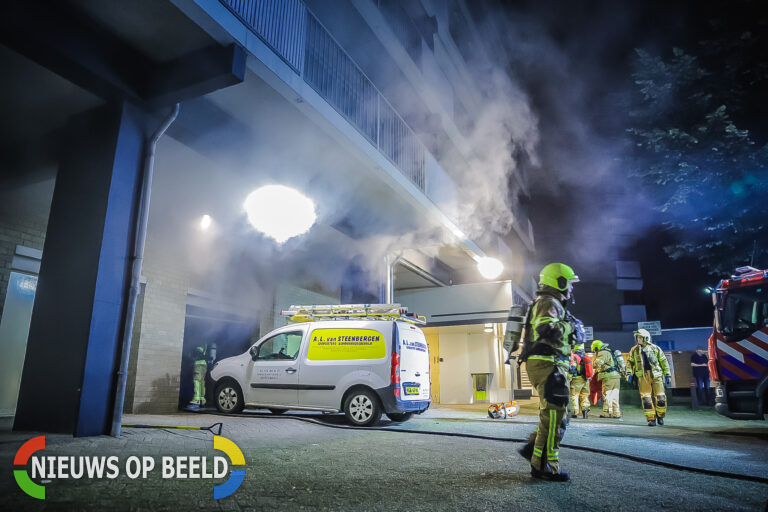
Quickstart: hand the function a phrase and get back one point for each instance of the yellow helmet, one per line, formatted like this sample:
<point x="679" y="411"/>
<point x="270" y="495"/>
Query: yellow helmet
<point x="597" y="345"/>
<point x="558" y="276"/>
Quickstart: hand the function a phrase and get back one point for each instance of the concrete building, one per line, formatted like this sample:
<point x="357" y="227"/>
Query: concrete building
<point x="370" y="108"/>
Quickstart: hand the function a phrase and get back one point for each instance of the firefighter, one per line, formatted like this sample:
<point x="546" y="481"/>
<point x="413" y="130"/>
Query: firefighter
<point x="648" y="364"/>
<point x="608" y="374"/>
<point x="199" y="370"/>
<point x="551" y="333"/>
<point x="580" y="377"/>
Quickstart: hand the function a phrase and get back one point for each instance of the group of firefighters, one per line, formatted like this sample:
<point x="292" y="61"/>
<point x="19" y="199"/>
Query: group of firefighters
<point x="560" y="370"/>
<point x="647" y="366"/>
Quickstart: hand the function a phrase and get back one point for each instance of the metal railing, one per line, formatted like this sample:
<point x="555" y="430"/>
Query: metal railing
<point x="299" y="38"/>
<point x="279" y="23"/>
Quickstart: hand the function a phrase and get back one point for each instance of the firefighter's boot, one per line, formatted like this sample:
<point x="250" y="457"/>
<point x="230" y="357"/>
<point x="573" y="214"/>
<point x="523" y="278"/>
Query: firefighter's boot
<point x="651" y="423"/>
<point x="585" y="413"/>
<point x="659" y="420"/>
<point x="526" y="451"/>
<point x="562" y="476"/>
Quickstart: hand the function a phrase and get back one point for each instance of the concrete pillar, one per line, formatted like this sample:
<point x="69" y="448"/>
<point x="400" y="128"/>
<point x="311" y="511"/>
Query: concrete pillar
<point x="72" y="353"/>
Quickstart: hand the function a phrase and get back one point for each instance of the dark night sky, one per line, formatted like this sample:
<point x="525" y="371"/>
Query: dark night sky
<point x="575" y="63"/>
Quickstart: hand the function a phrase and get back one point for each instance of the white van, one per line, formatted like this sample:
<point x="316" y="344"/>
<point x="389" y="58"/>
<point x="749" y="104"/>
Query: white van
<point x="360" y="367"/>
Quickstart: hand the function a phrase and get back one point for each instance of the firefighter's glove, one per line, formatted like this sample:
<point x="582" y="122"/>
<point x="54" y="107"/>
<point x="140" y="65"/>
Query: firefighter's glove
<point x="668" y="381"/>
<point x="574" y="370"/>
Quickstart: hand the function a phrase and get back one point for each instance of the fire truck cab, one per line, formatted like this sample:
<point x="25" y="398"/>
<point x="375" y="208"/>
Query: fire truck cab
<point x="738" y="346"/>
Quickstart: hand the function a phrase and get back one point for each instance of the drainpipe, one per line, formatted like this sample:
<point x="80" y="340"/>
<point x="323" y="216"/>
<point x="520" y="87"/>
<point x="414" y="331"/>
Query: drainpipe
<point x="142" y="217"/>
<point x="389" y="287"/>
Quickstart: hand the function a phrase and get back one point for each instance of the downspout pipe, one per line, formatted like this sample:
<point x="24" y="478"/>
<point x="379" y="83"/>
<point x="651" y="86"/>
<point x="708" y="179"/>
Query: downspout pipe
<point x="142" y="218"/>
<point x="389" y="291"/>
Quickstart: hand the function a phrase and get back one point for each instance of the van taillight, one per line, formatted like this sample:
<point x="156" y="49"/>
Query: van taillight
<point x="395" y="375"/>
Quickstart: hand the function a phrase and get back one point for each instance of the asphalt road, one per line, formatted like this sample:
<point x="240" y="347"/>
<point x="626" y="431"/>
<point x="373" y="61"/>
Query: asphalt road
<point x="293" y="465"/>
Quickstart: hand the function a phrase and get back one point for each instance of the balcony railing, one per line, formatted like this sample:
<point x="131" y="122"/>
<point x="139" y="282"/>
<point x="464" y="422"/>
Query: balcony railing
<point x="297" y="36"/>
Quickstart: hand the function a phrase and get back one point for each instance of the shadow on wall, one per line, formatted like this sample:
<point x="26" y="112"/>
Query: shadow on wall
<point x="162" y="397"/>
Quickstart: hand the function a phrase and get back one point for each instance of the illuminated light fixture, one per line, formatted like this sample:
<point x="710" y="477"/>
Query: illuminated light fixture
<point x="280" y="212"/>
<point x="489" y="325"/>
<point x="488" y="329"/>
<point x="205" y="222"/>
<point x="490" y="268"/>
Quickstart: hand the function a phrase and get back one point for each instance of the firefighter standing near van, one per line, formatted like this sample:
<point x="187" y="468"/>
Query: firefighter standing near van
<point x="201" y="356"/>
<point x="648" y="364"/>
<point x="581" y="372"/>
<point x="550" y="334"/>
<point x="608" y="374"/>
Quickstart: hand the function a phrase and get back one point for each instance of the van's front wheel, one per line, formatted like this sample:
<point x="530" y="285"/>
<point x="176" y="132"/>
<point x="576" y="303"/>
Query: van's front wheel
<point x="400" y="416"/>
<point x="229" y="398"/>
<point x="362" y="408"/>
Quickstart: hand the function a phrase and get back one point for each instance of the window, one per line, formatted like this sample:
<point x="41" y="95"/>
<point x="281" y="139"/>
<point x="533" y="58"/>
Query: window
<point x="284" y="346"/>
<point x="746" y="311"/>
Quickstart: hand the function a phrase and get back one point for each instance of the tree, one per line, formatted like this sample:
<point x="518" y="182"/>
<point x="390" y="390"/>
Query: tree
<point x="706" y="177"/>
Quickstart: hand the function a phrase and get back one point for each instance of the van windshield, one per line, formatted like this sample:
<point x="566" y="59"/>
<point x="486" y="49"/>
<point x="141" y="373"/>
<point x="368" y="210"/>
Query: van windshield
<point x="744" y="312"/>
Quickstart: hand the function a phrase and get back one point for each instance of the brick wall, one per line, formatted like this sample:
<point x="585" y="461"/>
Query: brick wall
<point x="13" y="232"/>
<point x="160" y="335"/>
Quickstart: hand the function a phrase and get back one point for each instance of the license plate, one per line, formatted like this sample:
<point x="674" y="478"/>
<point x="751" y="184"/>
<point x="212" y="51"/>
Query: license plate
<point x="411" y="390"/>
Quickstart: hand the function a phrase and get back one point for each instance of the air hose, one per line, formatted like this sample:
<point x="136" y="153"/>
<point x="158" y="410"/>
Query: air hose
<point x="642" y="460"/>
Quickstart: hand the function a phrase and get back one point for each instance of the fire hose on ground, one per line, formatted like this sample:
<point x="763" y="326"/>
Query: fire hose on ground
<point x="634" y="458"/>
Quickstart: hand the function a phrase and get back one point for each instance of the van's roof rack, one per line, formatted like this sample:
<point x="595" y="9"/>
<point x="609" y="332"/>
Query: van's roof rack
<point x="311" y="313"/>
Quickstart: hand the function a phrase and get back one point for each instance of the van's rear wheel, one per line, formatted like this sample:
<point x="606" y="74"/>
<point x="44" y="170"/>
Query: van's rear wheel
<point x="400" y="416"/>
<point x="362" y="408"/>
<point x="229" y="397"/>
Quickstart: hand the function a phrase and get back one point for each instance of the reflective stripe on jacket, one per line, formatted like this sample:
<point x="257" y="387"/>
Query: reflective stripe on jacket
<point x="656" y="358"/>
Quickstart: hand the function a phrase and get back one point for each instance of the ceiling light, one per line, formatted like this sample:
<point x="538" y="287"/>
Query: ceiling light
<point x="280" y="212"/>
<point x="205" y="222"/>
<point x="490" y="268"/>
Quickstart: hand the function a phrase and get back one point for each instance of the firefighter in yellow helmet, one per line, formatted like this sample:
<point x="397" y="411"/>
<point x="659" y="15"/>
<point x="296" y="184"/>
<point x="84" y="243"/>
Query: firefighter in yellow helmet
<point x="607" y="371"/>
<point x="579" y="383"/>
<point x="648" y="364"/>
<point x="551" y="332"/>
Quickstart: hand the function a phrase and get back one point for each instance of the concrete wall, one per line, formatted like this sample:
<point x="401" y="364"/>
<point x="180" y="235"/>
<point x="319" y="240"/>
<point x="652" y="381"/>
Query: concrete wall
<point x="161" y="335"/>
<point x="287" y="295"/>
<point x="13" y="232"/>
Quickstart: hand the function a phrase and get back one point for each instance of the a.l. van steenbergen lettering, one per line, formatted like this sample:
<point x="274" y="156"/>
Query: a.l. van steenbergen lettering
<point x="320" y="341"/>
<point x="415" y="345"/>
<point x="346" y="344"/>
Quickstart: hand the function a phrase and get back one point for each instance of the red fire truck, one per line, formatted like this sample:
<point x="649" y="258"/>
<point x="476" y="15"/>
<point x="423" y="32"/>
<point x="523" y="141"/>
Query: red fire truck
<point x="738" y="347"/>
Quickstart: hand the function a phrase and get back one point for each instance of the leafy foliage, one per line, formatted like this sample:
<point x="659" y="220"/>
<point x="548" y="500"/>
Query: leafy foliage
<point x="707" y="178"/>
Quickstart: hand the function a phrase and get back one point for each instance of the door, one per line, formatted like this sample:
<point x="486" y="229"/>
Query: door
<point x="433" y="342"/>
<point x="274" y="373"/>
<point x="414" y="363"/>
<point x="14" y="329"/>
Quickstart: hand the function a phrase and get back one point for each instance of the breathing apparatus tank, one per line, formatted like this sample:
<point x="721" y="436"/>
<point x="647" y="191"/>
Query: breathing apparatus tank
<point x="589" y="371"/>
<point x="620" y="361"/>
<point x="515" y="324"/>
